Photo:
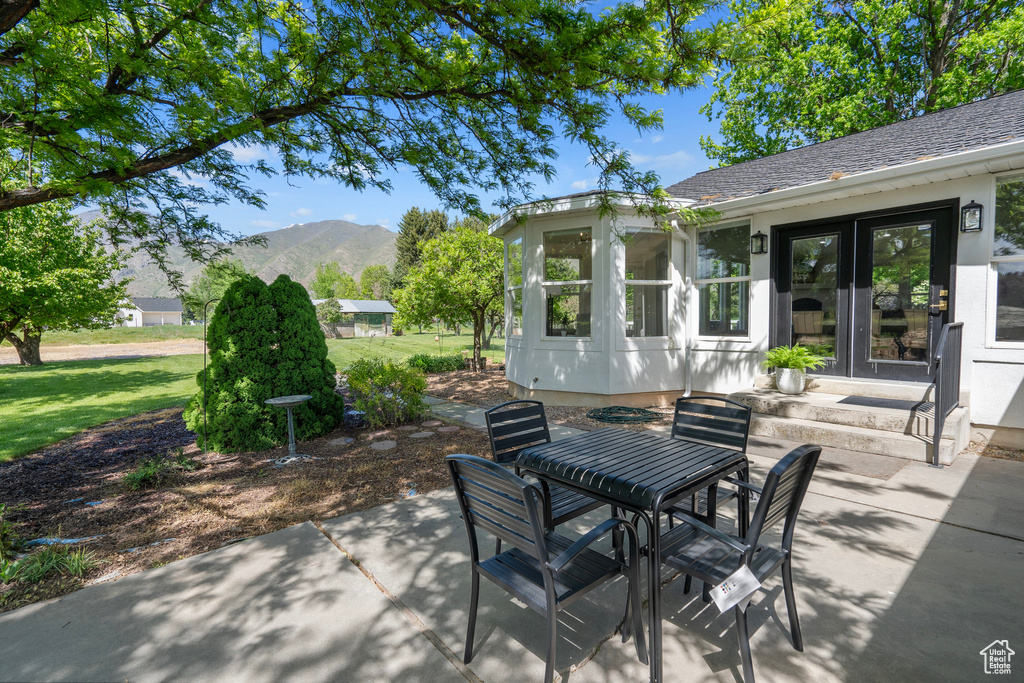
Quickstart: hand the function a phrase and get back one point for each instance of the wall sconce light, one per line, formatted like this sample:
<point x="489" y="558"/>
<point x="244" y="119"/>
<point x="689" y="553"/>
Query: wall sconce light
<point x="759" y="243"/>
<point x="970" y="217"/>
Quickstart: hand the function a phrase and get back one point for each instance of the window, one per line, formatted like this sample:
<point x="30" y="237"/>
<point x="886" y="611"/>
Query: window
<point x="514" y="287"/>
<point x="647" y="284"/>
<point x="723" y="281"/>
<point x="567" y="283"/>
<point x="1008" y="259"/>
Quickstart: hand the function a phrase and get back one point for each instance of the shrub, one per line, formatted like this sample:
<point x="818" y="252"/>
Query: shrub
<point x="264" y="342"/>
<point x="53" y="558"/>
<point x="386" y="392"/>
<point x="329" y="311"/>
<point x="436" y="362"/>
<point x="151" y="472"/>
<point x="10" y="541"/>
<point x="792" y="357"/>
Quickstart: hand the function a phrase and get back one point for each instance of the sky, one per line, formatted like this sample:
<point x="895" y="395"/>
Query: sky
<point x="673" y="153"/>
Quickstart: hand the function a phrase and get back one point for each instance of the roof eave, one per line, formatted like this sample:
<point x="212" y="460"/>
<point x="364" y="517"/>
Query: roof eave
<point x="565" y="205"/>
<point x="971" y="162"/>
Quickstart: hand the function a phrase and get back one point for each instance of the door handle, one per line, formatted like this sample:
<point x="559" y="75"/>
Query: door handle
<point x="942" y="306"/>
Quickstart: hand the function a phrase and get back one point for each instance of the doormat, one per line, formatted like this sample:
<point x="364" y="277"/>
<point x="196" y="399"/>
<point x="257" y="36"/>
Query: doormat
<point x="898" y="404"/>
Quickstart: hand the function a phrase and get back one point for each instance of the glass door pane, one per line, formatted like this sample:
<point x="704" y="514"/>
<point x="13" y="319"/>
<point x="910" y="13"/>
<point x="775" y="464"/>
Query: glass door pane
<point x="900" y="280"/>
<point x="814" y="296"/>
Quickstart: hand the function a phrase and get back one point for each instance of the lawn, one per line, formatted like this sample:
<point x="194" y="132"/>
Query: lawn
<point x="122" y="335"/>
<point x="344" y="351"/>
<point x="44" y="404"/>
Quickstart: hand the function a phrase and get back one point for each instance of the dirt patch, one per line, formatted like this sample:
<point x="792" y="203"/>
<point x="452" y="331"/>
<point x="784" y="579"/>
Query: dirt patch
<point x="990" y="451"/>
<point x="73" y="489"/>
<point x="174" y="347"/>
<point x="485" y="389"/>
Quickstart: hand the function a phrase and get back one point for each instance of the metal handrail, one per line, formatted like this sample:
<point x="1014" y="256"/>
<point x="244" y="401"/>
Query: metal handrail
<point x="947" y="380"/>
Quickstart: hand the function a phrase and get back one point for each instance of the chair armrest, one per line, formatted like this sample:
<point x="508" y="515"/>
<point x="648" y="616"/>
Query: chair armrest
<point x="588" y="538"/>
<point x="744" y="484"/>
<point x="718" y="535"/>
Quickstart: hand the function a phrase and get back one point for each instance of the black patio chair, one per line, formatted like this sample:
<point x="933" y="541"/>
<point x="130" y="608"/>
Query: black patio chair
<point x="716" y="422"/>
<point x="516" y="425"/>
<point x="543" y="569"/>
<point x="709" y="554"/>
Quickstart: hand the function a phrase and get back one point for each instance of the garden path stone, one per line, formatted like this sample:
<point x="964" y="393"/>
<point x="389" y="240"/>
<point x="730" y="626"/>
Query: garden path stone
<point x="376" y="435"/>
<point x="432" y="423"/>
<point x="408" y="428"/>
<point x="421" y="435"/>
<point x="265" y="609"/>
<point x="341" y="442"/>
<point x="383" y="445"/>
<point x="448" y="429"/>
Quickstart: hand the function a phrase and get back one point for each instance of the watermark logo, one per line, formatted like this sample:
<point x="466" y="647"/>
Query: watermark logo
<point x="997" y="656"/>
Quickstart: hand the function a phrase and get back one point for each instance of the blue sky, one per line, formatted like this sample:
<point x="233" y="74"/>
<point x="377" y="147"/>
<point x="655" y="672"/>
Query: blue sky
<point x="673" y="153"/>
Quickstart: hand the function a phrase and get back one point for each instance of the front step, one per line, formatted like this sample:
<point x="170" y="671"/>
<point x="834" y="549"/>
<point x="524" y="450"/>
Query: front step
<point x="851" y="438"/>
<point x="914" y="418"/>
<point x="848" y="386"/>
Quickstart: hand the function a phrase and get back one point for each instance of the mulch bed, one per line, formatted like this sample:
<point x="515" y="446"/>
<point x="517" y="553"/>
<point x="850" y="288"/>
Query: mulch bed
<point x="231" y="497"/>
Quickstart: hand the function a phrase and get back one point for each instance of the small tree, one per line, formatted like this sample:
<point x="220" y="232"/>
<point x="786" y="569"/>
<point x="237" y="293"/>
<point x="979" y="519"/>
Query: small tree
<point x="241" y="339"/>
<point x="329" y="311"/>
<point x="302" y="366"/>
<point x="211" y="284"/>
<point x="414" y="229"/>
<point x="54" y="275"/>
<point x="459" y="279"/>
<point x="264" y="342"/>
<point x="330" y="281"/>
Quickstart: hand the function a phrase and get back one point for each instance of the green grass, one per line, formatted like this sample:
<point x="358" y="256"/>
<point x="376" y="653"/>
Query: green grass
<point x="121" y="335"/>
<point x="344" y="351"/>
<point x="44" y="404"/>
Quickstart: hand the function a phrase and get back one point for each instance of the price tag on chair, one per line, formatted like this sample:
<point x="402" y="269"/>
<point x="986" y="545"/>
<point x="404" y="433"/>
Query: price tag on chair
<point x="738" y="587"/>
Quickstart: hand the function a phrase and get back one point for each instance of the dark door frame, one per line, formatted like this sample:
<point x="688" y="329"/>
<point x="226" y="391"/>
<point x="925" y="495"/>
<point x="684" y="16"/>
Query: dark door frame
<point x="779" y="334"/>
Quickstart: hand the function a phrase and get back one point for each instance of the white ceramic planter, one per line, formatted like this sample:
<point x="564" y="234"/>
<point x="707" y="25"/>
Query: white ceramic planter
<point x="789" y="380"/>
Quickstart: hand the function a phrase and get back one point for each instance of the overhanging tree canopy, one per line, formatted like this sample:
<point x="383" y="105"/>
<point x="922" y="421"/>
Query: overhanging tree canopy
<point x="134" y="104"/>
<point x="806" y="71"/>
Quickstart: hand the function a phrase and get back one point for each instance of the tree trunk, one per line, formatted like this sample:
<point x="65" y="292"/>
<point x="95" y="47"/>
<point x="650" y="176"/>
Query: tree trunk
<point x="28" y="346"/>
<point x="478" y="333"/>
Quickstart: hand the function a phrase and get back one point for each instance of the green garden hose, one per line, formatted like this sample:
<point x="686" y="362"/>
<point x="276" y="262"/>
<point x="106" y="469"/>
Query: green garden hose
<point x="622" y="414"/>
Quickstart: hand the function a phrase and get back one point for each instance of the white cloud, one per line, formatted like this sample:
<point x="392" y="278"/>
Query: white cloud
<point x="580" y="184"/>
<point x="657" y="138"/>
<point x="299" y="213"/>
<point x="247" y="155"/>
<point x="350" y="217"/>
<point x="194" y="181"/>
<point x="269" y="225"/>
<point x="674" y="161"/>
<point x="385" y="222"/>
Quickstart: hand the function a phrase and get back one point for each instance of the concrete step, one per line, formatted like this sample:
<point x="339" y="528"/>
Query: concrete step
<point x="860" y="439"/>
<point x="918" y="420"/>
<point x="855" y="386"/>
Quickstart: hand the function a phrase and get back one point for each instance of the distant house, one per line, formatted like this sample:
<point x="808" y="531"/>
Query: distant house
<point x="148" y="311"/>
<point x="363" y="318"/>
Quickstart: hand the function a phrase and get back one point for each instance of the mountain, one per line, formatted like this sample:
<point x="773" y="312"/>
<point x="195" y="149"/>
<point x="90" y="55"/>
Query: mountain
<point x="294" y="251"/>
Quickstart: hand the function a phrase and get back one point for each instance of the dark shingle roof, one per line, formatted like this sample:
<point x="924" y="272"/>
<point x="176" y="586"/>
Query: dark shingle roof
<point x="157" y="304"/>
<point x="960" y="129"/>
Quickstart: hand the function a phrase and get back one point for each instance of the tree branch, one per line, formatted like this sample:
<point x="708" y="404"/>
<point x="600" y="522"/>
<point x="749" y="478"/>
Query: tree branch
<point x="13" y="11"/>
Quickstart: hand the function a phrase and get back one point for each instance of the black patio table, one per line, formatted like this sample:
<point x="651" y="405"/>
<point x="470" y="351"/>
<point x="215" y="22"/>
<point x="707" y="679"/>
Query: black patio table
<point x="642" y="472"/>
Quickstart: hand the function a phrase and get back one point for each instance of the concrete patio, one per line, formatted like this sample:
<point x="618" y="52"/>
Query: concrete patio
<point x="906" y="574"/>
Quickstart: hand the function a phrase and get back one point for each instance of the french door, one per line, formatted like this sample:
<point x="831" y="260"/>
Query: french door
<point x="868" y="293"/>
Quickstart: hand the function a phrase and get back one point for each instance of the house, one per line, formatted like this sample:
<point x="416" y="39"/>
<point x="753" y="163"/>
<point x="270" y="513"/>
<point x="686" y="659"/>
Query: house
<point x="146" y="311"/>
<point x="862" y="248"/>
<point x="362" y="318"/>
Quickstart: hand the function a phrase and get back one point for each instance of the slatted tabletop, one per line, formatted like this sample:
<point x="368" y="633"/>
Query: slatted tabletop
<point x="630" y="467"/>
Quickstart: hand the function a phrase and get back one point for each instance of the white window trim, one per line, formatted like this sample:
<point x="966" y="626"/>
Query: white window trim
<point x="695" y="292"/>
<point x="665" y="341"/>
<point x="546" y="284"/>
<point x="509" y="288"/>
<point x="993" y="271"/>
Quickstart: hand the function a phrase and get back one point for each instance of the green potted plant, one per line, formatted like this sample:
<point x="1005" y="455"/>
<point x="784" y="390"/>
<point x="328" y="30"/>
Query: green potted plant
<point x="790" y="363"/>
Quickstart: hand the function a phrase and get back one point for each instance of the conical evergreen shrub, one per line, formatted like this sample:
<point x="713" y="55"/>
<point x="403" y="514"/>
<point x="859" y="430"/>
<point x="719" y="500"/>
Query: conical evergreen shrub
<point x="263" y="342"/>
<point x="302" y="364"/>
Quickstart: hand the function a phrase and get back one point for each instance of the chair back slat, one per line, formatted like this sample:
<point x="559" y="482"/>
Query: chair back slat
<point x="783" y="494"/>
<point x="514" y="426"/>
<point x="713" y="421"/>
<point x="497" y="501"/>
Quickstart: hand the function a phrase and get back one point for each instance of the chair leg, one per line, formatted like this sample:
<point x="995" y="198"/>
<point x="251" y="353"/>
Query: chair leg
<point x="497" y="546"/>
<point x="794" y="620"/>
<point x="744" y="638"/>
<point x="473" y="600"/>
<point x="549" y="669"/>
<point x="686" y="584"/>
